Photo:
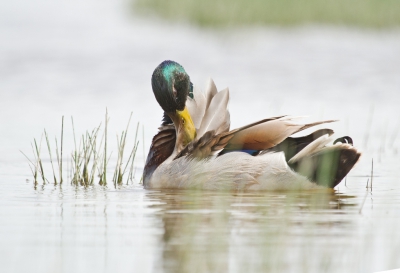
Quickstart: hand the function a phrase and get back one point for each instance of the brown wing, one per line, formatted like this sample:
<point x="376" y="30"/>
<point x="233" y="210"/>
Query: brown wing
<point x="268" y="134"/>
<point x="205" y="146"/>
<point x="161" y="148"/>
<point x="260" y="135"/>
<point x="211" y="142"/>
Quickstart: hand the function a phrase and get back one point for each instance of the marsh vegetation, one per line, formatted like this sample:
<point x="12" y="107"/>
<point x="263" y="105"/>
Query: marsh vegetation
<point x="88" y="160"/>
<point x="361" y="13"/>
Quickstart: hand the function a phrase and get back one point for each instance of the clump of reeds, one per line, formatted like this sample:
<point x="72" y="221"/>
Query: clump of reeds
<point x="89" y="158"/>
<point x="36" y="165"/>
<point x="119" y="169"/>
<point x="85" y="158"/>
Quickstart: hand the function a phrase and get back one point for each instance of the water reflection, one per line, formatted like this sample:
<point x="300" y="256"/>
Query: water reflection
<point x="131" y="229"/>
<point x="216" y="232"/>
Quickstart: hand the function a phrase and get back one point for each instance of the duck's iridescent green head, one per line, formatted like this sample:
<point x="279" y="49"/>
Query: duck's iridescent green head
<point x="171" y="86"/>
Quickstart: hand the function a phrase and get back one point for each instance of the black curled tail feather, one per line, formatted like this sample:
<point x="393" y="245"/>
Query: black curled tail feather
<point x="329" y="166"/>
<point x="345" y="139"/>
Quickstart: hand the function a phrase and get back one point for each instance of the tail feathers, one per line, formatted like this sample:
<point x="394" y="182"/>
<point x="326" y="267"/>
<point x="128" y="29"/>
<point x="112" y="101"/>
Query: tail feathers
<point x="328" y="166"/>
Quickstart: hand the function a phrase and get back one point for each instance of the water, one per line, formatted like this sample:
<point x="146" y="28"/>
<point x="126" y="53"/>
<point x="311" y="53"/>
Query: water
<point x="79" y="57"/>
<point x="131" y="229"/>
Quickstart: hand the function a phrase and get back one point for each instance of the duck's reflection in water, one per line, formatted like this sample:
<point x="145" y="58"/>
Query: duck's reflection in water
<point x="221" y="231"/>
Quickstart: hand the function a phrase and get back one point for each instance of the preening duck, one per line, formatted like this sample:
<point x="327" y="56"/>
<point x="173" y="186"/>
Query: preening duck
<point x="195" y="148"/>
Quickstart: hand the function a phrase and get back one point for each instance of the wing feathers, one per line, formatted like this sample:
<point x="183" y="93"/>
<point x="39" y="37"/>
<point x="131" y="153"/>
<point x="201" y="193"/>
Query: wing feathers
<point x="211" y="91"/>
<point x="306" y="126"/>
<point x="209" y="110"/>
<point x="161" y="148"/>
<point x="211" y="142"/>
<point x="216" y="117"/>
<point x="292" y="145"/>
<point x="197" y="106"/>
<point x="268" y="134"/>
<point x="311" y="148"/>
<point x="211" y="118"/>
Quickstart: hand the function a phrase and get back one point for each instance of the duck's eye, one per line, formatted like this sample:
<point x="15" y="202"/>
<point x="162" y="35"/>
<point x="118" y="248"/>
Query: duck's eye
<point x="183" y="121"/>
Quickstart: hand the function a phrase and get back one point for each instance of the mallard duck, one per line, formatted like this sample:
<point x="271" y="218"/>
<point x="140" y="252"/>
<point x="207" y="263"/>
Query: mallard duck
<point x="195" y="148"/>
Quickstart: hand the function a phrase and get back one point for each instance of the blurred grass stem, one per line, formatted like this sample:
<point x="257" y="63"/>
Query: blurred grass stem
<point x="51" y="158"/>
